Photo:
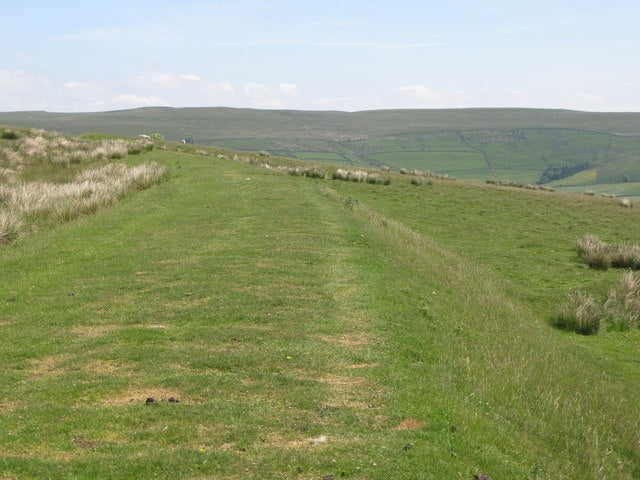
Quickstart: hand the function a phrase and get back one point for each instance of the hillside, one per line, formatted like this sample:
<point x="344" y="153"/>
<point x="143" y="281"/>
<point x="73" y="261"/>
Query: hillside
<point x="519" y="145"/>
<point x="237" y="321"/>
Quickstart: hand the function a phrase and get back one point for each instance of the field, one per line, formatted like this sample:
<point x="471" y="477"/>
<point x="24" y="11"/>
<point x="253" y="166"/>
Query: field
<point x="238" y="322"/>
<point x="517" y="145"/>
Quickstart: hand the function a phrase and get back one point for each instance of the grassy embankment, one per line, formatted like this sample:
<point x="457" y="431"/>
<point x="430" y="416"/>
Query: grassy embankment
<point x="314" y="329"/>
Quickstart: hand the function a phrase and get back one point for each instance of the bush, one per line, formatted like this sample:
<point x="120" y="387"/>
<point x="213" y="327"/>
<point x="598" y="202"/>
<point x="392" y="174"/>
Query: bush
<point x="9" y="135"/>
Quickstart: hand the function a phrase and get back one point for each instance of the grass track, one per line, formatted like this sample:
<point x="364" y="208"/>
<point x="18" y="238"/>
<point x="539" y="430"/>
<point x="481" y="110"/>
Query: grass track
<point x="277" y="313"/>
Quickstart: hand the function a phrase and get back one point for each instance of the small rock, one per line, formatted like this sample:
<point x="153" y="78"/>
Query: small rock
<point x="319" y="440"/>
<point x="172" y="400"/>
<point x="481" y="476"/>
<point x="150" y="400"/>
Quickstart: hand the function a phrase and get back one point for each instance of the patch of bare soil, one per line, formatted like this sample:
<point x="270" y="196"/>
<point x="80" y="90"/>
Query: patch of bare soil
<point x="92" y="331"/>
<point x="358" y="366"/>
<point x="144" y="396"/>
<point x="409" y="424"/>
<point x="48" y="366"/>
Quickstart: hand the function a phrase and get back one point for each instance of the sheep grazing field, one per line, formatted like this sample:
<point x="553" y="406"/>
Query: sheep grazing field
<point x="241" y="316"/>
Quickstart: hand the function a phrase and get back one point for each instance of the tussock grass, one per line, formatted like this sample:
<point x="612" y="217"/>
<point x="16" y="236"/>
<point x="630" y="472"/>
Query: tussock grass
<point x="53" y="148"/>
<point x="430" y="174"/>
<point x="601" y="256"/>
<point x="360" y="176"/>
<point x="526" y="186"/>
<point x="620" y="310"/>
<point x="622" y="306"/>
<point x="580" y="313"/>
<point x="10" y="226"/>
<point x="25" y="204"/>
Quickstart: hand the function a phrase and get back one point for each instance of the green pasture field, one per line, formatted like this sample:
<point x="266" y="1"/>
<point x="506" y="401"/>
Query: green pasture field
<point x="320" y="157"/>
<point x="444" y="162"/>
<point x="294" y="328"/>
<point x="627" y="189"/>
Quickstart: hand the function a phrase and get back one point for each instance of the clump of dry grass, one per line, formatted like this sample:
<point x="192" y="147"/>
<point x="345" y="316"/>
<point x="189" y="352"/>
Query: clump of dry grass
<point x="601" y="256"/>
<point x="622" y="306"/>
<point x="526" y="186"/>
<point x="429" y="174"/>
<point x="10" y="226"/>
<point x="620" y="310"/>
<point x="580" y="313"/>
<point x="54" y="148"/>
<point x="360" y="176"/>
<point x="594" y="253"/>
<point x="30" y="203"/>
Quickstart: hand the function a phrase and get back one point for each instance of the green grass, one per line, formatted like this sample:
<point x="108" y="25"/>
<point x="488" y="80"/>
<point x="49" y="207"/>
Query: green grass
<point x="407" y="324"/>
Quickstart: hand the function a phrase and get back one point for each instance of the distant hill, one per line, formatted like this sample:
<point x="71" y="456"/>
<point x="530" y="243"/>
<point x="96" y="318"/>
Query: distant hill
<point x="574" y="150"/>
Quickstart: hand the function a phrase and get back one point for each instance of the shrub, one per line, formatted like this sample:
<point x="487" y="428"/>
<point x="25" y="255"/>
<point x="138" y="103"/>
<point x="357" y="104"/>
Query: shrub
<point x="9" y="135"/>
<point x="580" y="313"/>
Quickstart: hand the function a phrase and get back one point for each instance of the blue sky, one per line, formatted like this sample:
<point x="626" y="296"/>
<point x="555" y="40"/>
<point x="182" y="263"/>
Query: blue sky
<point x="320" y="55"/>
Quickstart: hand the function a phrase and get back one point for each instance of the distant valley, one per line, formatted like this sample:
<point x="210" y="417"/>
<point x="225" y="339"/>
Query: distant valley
<point x="567" y="150"/>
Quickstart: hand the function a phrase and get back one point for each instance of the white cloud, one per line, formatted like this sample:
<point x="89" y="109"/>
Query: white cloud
<point x="164" y="80"/>
<point x="583" y="101"/>
<point x="15" y="80"/>
<point x="137" y="100"/>
<point x="261" y="95"/>
<point x="156" y="79"/>
<point x="426" y="97"/>
<point x="289" y="89"/>
<point x="82" y="86"/>
<point x="350" y="104"/>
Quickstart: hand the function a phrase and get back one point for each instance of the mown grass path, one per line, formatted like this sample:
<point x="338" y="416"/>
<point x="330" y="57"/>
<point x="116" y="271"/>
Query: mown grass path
<point x="305" y="336"/>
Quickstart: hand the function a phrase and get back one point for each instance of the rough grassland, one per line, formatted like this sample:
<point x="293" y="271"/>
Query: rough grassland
<point x="309" y="335"/>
